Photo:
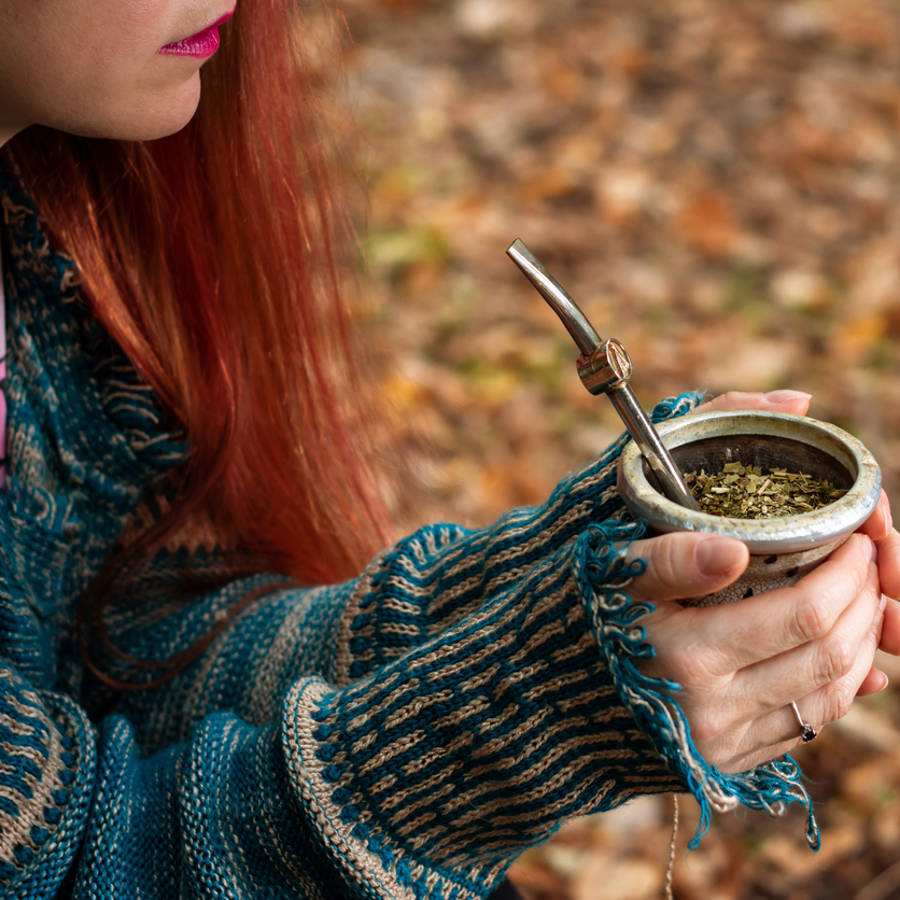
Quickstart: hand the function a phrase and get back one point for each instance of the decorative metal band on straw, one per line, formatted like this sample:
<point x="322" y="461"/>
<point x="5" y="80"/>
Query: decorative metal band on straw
<point x="605" y="367"/>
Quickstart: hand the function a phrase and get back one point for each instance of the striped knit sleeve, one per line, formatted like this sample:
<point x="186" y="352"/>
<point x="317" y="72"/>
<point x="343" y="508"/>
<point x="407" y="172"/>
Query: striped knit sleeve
<point x="425" y="778"/>
<point x="437" y="769"/>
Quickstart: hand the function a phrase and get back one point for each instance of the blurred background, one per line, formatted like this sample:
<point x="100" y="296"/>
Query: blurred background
<point x="716" y="183"/>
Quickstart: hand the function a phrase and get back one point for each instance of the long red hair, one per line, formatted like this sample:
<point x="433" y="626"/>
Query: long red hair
<point x="215" y="257"/>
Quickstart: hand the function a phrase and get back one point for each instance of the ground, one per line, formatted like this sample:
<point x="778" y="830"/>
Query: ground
<point x="715" y="183"/>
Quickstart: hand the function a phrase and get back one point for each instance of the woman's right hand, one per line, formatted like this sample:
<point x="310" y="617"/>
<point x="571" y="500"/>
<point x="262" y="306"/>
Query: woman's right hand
<point x="741" y="665"/>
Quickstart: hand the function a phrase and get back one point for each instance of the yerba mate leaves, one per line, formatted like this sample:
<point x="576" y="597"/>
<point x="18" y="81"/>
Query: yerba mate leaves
<point x="749" y="492"/>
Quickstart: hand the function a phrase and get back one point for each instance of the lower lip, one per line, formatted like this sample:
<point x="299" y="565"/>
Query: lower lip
<point x="200" y="45"/>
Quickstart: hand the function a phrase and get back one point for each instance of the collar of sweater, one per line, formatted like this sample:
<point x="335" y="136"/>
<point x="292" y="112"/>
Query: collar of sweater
<point x="86" y="437"/>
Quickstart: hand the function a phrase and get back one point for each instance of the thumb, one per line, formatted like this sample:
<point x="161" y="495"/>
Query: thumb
<point x="686" y="564"/>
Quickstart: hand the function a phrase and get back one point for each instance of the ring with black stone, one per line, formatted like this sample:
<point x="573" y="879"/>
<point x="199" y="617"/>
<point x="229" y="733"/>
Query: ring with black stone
<point x="807" y="732"/>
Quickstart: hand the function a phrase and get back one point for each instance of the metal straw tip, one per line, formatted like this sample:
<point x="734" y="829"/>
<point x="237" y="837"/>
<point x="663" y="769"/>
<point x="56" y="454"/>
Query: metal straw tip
<point x="559" y="300"/>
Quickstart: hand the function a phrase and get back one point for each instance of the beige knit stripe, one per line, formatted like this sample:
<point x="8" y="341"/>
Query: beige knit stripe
<point x="469" y="830"/>
<point x="513" y="523"/>
<point x="401" y="797"/>
<point x="576" y="613"/>
<point x="490" y="856"/>
<point x="30" y="704"/>
<point x="528" y="671"/>
<point x="401" y="745"/>
<point x="485" y="851"/>
<point x="492" y="874"/>
<point x="389" y="691"/>
<point x="412" y="588"/>
<point x="501" y="560"/>
<point x="416" y="707"/>
<point x="444" y="751"/>
<point x="446" y="604"/>
<point x="360" y="692"/>
<point x="553" y="629"/>
<point x="19" y="725"/>
<point x="545" y="582"/>
<point x="603" y="711"/>
<point x="434" y="539"/>
<point x="431" y="663"/>
<point x="16" y="830"/>
<point x="417" y="567"/>
<point x="663" y="780"/>
<point x="418" y="550"/>
<point x="541" y="738"/>
<point x="430" y="785"/>
<point x="404" y="629"/>
<point x="559" y="683"/>
<point x="508" y="574"/>
<point x="404" y="743"/>
<point x="402" y="606"/>
<point x="419" y="839"/>
<point x="510" y="711"/>
<point x="540" y="787"/>
<point x="383" y="784"/>
<point x="553" y="592"/>
<point x="479" y="679"/>
<point x="497" y="809"/>
<point x="363" y="743"/>
<point x="585" y="642"/>
<point x="495" y="745"/>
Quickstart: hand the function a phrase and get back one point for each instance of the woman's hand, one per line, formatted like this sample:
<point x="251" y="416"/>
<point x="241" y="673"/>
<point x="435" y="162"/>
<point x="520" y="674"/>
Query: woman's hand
<point x="741" y="665"/>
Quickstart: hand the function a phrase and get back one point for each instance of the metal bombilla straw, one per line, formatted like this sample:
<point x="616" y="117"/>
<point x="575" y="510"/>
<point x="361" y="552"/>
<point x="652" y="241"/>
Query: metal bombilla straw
<point x="605" y="368"/>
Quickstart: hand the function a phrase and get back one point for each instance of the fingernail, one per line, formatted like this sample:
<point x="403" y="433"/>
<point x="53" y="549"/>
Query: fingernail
<point x="869" y="545"/>
<point x="884" y="682"/>
<point x="786" y="396"/>
<point x="716" y="556"/>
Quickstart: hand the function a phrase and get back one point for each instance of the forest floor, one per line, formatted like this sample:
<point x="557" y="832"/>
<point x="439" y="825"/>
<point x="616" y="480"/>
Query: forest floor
<point x="716" y="183"/>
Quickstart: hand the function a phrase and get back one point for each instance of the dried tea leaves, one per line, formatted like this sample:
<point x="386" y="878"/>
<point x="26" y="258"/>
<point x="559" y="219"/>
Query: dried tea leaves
<point x="749" y="492"/>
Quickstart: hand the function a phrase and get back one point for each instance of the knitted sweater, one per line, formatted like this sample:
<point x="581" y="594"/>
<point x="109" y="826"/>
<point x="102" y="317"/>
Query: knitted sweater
<point x="403" y="735"/>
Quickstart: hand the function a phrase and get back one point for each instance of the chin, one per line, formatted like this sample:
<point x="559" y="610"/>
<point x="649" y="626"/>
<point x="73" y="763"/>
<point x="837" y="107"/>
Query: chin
<point x="147" y="122"/>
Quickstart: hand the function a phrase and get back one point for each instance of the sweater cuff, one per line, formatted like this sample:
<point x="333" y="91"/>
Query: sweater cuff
<point x="429" y="776"/>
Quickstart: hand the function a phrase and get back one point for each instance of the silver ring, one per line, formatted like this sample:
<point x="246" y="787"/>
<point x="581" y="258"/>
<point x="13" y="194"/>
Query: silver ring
<point x="807" y="732"/>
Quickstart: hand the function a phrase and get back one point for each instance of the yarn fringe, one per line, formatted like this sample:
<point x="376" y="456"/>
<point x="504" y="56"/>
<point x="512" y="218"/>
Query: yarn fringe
<point x="602" y="573"/>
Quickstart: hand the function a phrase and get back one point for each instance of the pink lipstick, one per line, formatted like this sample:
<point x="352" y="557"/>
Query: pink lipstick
<point x="199" y="45"/>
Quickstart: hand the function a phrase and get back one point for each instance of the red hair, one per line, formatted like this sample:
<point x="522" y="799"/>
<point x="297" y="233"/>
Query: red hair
<point x="214" y="257"/>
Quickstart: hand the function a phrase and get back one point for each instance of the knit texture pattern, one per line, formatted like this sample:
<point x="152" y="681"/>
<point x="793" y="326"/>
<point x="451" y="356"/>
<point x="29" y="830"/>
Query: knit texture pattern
<point x="402" y="735"/>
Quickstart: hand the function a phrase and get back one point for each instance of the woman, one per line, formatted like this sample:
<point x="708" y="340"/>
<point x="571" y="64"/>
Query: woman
<point x="176" y="720"/>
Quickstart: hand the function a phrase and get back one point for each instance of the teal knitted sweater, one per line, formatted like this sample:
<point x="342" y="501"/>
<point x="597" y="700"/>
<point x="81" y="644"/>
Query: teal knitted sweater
<point x="403" y="735"/>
